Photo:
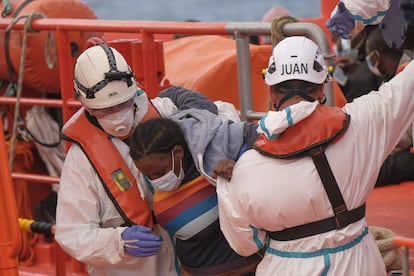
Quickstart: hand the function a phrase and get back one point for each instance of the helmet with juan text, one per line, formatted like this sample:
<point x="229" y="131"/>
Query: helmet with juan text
<point x="296" y="58"/>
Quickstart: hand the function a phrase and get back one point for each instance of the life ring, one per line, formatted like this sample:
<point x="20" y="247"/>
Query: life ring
<point x="37" y="75"/>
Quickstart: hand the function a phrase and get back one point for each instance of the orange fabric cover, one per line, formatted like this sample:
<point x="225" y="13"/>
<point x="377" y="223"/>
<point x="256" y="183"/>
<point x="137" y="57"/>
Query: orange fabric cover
<point x="37" y="75"/>
<point x="208" y="64"/>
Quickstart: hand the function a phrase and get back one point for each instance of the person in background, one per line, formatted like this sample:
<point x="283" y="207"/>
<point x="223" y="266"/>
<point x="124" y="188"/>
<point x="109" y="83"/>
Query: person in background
<point x="360" y="80"/>
<point x="351" y="16"/>
<point x="301" y="190"/>
<point x="386" y="62"/>
<point x="350" y="68"/>
<point x="170" y="154"/>
<point x="103" y="217"/>
<point x="395" y="18"/>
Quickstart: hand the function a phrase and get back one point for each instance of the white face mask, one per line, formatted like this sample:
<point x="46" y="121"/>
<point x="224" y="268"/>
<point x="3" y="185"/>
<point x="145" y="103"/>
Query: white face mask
<point x="169" y="181"/>
<point x="118" y="124"/>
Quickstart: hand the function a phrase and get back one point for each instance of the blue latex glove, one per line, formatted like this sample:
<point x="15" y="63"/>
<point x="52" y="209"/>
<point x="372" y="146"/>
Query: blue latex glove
<point x="140" y="242"/>
<point x="342" y="22"/>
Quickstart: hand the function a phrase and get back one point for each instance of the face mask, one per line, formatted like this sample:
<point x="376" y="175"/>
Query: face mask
<point x="118" y="124"/>
<point x="169" y="181"/>
<point x="374" y="67"/>
<point x="347" y="50"/>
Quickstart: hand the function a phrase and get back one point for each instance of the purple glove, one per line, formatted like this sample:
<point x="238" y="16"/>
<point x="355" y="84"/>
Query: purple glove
<point x="342" y="22"/>
<point x="139" y="241"/>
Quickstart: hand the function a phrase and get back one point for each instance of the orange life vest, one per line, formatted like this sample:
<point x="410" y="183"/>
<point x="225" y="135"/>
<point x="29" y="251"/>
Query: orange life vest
<point x="325" y="125"/>
<point x="311" y="136"/>
<point x="118" y="181"/>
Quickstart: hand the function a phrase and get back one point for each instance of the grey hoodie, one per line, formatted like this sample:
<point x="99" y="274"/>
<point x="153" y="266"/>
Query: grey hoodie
<point x="213" y="138"/>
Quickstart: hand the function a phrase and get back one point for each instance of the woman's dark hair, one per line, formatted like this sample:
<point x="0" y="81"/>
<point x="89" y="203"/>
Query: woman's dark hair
<point x="158" y="135"/>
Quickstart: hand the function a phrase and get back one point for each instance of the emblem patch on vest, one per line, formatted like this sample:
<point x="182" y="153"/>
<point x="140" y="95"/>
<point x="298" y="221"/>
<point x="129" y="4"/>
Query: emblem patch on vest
<point x="121" y="180"/>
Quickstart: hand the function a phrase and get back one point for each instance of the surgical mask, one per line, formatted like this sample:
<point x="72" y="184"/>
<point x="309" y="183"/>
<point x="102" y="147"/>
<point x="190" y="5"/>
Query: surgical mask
<point x="118" y="124"/>
<point x="374" y="67"/>
<point x="347" y="50"/>
<point x="169" y="181"/>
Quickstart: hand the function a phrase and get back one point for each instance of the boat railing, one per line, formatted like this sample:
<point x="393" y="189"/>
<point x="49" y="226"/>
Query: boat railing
<point x="146" y="31"/>
<point x="404" y="243"/>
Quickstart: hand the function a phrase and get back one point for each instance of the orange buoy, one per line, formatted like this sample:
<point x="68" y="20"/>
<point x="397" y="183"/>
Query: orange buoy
<point x="37" y="74"/>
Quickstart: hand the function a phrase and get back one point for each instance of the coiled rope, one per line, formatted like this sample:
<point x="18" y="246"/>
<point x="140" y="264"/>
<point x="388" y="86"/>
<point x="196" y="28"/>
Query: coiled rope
<point x="27" y="29"/>
<point x="276" y="29"/>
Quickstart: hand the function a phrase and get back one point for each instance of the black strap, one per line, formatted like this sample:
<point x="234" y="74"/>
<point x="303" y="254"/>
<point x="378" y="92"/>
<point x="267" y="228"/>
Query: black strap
<point x="342" y="217"/>
<point x="317" y="227"/>
<point x="331" y="187"/>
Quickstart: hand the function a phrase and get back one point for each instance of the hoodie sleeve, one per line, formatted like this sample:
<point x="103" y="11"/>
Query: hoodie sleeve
<point x="207" y="134"/>
<point x="185" y="99"/>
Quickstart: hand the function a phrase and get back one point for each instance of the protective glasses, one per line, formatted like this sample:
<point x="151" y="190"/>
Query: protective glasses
<point x="100" y="113"/>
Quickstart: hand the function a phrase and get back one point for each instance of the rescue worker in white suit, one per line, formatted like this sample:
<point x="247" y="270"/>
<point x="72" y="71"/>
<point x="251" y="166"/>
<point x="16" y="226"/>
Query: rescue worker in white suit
<point x="351" y="16"/>
<point x="301" y="190"/>
<point x="104" y="216"/>
<point x="395" y="18"/>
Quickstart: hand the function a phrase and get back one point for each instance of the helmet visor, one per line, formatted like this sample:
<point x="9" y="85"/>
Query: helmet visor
<point x="102" y="112"/>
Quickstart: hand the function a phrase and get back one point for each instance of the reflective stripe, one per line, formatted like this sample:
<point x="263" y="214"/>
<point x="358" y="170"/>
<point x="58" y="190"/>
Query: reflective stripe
<point x="327" y="261"/>
<point x="256" y="239"/>
<point x="266" y="131"/>
<point x="289" y="116"/>
<point x="318" y="253"/>
<point x="369" y="20"/>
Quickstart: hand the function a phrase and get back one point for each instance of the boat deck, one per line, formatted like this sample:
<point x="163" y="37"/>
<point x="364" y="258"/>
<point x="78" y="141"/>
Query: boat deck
<point x="392" y="207"/>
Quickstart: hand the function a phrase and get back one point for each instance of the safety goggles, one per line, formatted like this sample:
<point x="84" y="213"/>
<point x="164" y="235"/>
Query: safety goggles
<point x="100" y="113"/>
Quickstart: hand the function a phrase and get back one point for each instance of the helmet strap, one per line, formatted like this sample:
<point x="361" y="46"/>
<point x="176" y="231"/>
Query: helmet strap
<point x="293" y="92"/>
<point x="111" y="75"/>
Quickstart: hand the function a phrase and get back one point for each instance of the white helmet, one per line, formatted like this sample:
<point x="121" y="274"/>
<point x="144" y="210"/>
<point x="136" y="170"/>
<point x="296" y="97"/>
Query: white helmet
<point x="296" y="58"/>
<point x="103" y="78"/>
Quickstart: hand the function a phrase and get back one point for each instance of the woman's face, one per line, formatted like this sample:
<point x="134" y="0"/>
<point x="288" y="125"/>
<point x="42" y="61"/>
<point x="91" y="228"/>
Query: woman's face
<point x="158" y="164"/>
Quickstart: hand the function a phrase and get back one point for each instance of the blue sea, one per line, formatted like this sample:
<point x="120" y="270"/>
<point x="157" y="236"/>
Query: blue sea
<point x="203" y="10"/>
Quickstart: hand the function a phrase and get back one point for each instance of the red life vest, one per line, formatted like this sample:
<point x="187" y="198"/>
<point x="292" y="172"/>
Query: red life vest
<point x="116" y="177"/>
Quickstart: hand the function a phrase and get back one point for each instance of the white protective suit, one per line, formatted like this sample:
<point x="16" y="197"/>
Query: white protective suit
<point x="365" y="12"/>
<point x="88" y="224"/>
<point x="274" y="194"/>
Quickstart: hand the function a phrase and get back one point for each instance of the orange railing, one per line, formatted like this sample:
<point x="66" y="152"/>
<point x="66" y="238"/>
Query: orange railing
<point x="404" y="243"/>
<point x="10" y="240"/>
<point x="147" y="33"/>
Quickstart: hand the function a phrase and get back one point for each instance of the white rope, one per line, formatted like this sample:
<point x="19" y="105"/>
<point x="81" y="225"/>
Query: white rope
<point x="46" y="130"/>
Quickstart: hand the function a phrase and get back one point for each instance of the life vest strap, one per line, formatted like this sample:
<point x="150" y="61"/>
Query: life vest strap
<point x="317" y="227"/>
<point x="342" y="218"/>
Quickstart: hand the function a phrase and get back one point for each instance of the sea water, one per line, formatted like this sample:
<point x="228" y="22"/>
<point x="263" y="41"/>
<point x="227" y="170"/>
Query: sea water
<point x="203" y="10"/>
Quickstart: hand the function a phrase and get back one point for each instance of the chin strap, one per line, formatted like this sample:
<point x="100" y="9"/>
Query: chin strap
<point x="294" y="92"/>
